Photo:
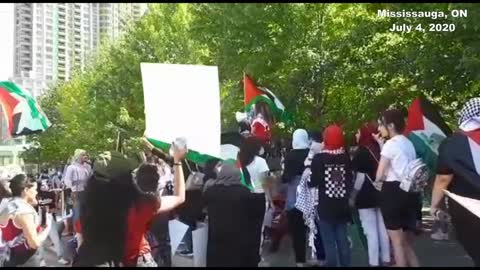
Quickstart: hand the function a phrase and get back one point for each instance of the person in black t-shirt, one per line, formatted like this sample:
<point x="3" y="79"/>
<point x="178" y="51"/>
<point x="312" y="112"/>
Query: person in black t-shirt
<point x="366" y="198"/>
<point x="332" y="174"/>
<point x="292" y="174"/>
<point x="458" y="173"/>
<point x="230" y="220"/>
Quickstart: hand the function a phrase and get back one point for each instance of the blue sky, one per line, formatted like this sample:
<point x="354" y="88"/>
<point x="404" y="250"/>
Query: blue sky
<point x="6" y="45"/>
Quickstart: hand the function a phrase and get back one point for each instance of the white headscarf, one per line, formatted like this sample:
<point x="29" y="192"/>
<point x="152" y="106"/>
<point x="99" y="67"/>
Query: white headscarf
<point x="300" y="139"/>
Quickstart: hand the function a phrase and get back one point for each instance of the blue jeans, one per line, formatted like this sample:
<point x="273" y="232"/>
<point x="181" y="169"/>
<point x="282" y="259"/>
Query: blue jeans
<point x="335" y="243"/>
<point x="292" y="192"/>
<point x="78" y="198"/>
<point x="320" y="251"/>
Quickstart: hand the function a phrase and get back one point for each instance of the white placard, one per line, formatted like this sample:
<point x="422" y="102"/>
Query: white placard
<point x="200" y="242"/>
<point x="229" y="151"/>
<point x="183" y="101"/>
<point x="176" y="230"/>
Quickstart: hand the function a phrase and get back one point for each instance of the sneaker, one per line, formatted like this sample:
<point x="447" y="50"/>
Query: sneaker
<point x="263" y="263"/>
<point x="387" y="264"/>
<point x="315" y="262"/>
<point x="63" y="261"/>
<point x="43" y="263"/>
<point x="439" y="236"/>
<point x="186" y="253"/>
<point x="301" y="265"/>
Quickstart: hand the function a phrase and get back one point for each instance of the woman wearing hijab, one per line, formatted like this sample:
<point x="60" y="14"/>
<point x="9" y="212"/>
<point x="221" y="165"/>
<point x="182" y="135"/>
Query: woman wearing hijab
<point x="332" y="174"/>
<point x="210" y="172"/>
<point x="459" y="173"/>
<point x="260" y="128"/>
<point x="365" y="197"/>
<point x="292" y="174"/>
<point x="230" y="219"/>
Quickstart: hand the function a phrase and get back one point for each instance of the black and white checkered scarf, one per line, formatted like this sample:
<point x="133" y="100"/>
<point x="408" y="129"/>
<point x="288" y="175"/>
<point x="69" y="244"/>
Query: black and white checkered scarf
<point x="471" y="110"/>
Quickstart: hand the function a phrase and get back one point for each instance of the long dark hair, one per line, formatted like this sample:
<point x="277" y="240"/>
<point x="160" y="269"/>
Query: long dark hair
<point x="395" y="117"/>
<point x="249" y="148"/>
<point x="19" y="183"/>
<point x="104" y="218"/>
<point x="4" y="192"/>
<point x="146" y="180"/>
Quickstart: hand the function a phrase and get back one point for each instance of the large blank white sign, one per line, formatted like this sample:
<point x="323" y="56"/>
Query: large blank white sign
<point x="183" y="101"/>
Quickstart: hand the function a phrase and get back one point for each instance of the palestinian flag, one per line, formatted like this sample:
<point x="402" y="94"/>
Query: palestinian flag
<point x="23" y="114"/>
<point x="230" y="145"/>
<point x="463" y="156"/>
<point x="474" y="144"/>
<point x="244" y="176"/>
<point x="254" y="94"/>
<point x="426" y="129"/>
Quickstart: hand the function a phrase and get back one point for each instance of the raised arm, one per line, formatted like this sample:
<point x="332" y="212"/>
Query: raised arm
<point x="157" y="152"/>
<point x="168" y="203"/>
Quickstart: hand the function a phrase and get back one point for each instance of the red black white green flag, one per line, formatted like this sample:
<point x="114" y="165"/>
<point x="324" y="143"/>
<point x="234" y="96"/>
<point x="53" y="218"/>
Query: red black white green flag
<point x="461" y="153"/>
<point x="426" y="129"/>
<point x="23" y="114"/>
<point x="254" y="94"/>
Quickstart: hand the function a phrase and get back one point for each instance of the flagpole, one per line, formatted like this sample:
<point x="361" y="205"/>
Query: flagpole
<point x="244" y="75"/>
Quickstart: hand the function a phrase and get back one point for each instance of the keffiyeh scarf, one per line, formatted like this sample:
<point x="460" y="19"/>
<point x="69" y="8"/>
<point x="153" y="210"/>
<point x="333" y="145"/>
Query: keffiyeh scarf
<point x="469" y="116"/>
<point x="307" y="200"/>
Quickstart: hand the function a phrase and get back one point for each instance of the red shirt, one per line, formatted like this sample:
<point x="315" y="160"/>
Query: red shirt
<point x="138" y="221"/>
<point x="261" y="131"/>
<point x="10" y="232"/>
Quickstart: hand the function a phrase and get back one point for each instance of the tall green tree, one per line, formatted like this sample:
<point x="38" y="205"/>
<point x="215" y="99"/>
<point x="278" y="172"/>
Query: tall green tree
<point x="326" y="62"/>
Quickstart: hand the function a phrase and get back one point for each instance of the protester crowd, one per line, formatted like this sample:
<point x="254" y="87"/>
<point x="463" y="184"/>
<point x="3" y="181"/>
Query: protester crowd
<point x="121" y="207"/>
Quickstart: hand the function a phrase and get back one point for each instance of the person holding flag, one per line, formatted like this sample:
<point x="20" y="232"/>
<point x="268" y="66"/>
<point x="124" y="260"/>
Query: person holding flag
<point x="458" y="171"/>
<point x="264" y="108"/>
<point x="426" y="129"/>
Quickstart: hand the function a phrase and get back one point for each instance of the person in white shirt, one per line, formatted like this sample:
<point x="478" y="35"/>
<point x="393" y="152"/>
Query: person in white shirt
<point x="398" y="207"/>
<point x="76" y="177"/>
<point x="255" y="174"/>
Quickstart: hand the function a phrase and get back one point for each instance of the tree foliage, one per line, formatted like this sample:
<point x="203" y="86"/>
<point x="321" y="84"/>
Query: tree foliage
<point x="326" y="62"/>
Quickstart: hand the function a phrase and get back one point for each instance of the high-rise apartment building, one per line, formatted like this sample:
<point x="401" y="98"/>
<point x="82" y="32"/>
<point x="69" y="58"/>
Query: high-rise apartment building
<point x="54" y="39"/>
<point x="51" y="40"/>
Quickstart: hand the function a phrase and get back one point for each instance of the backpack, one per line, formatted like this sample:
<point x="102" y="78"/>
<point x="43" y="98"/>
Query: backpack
<point x="416" y="176"/>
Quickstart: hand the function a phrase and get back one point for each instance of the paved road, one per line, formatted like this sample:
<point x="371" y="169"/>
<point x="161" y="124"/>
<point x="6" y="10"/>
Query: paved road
<point x="430" y="253"/>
